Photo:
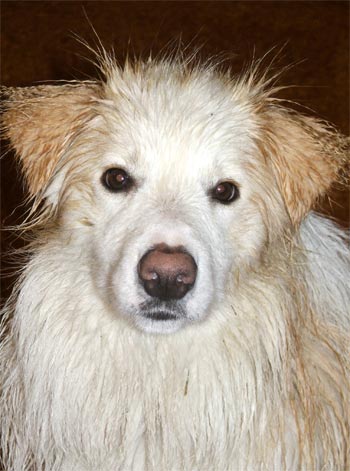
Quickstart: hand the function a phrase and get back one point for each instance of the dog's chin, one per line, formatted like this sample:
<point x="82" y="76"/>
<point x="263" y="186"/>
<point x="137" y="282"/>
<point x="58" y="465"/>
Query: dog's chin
<point x="159" y="318"/>
<point x="153" y="326"/>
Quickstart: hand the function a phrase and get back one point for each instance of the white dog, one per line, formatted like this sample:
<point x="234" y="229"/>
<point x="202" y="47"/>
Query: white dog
<point x="181" y="308"/>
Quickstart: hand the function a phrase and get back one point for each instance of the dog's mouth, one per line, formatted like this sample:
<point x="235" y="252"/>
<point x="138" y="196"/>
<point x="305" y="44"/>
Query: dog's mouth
<point x="162" y="310"/>
<point x="160" y="317"/>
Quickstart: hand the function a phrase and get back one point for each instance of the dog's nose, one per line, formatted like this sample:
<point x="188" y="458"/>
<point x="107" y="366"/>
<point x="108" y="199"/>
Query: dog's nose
<point x="167" y="272"/>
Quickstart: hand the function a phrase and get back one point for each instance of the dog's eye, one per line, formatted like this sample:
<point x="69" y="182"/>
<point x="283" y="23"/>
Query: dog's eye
<point x="225" y="192"/>
<point x="116" y="179"/>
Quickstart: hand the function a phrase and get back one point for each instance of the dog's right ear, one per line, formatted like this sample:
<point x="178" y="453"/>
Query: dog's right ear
<point x="41" y="123"/>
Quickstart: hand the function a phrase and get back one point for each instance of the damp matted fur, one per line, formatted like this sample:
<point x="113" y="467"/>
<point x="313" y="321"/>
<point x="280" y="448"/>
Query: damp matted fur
<point x="259" y="376"/>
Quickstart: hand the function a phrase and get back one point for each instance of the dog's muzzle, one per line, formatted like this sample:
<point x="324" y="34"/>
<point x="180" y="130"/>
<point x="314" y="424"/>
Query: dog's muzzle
<point x="166" y="274"/>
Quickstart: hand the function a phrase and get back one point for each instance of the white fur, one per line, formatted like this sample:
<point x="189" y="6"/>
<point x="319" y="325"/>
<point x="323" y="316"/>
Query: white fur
<point x="88" y="384"/>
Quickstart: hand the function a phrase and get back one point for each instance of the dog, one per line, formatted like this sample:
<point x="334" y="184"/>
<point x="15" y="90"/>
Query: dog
<point x="182" y="306"/>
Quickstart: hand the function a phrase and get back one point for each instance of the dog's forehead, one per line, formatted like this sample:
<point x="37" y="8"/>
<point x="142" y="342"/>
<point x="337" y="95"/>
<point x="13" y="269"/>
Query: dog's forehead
<point x="194" y="123"/>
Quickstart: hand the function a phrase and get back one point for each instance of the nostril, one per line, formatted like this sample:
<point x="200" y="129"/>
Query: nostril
<point x="167" y="272"/>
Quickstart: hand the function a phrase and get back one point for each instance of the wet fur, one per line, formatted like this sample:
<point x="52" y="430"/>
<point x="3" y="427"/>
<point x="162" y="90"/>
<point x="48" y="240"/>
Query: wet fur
<point x="261" y="383"/>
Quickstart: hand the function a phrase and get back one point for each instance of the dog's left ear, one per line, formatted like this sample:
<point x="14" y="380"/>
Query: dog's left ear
<point x="306" y="156"/>
<point x="41" y="123"/>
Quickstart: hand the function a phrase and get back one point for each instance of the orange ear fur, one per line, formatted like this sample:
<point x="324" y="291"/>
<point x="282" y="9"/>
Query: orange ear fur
<point x="306" y="156"/>
<point x="41" y="122"/>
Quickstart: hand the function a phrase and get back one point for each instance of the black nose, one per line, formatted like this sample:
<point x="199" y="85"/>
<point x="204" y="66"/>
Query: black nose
<point x="167" y="272"/>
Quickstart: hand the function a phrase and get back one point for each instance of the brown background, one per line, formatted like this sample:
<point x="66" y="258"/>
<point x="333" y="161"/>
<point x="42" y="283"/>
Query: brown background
<point x="38" y="45"/>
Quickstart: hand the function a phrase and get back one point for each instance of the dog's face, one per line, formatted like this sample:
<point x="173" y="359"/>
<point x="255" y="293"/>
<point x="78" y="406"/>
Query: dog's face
<point x="164" y="181"/>
<point x="170" y="203"/>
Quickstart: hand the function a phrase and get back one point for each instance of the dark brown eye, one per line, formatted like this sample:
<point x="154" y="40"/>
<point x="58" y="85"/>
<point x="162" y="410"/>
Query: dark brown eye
<point x="225" y="192"/>
<point x="116" y="179"/>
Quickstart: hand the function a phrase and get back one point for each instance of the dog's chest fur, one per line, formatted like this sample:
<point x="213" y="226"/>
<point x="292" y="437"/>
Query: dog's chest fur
<point x="113" y="397"/>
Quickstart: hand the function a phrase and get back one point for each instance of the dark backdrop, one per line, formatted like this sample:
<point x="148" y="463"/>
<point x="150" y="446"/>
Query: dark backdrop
<point x="38" y="45"/>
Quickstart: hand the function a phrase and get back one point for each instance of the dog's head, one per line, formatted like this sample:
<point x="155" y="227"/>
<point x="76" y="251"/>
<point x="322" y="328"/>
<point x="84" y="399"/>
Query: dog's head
<point x="169" y="180"/>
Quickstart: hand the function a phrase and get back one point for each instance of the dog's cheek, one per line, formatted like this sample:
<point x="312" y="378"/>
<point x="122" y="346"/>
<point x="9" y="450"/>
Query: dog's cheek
<point x="104" y="252"/>
<point x="248" y="237"/>
<point x="217" y="256"/>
